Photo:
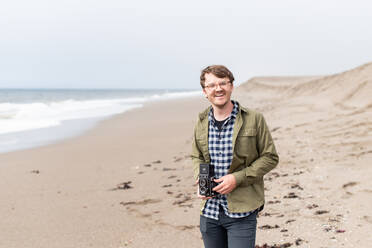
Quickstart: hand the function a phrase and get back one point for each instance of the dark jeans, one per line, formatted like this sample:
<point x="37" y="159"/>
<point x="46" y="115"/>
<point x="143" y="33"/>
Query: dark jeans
<point x="229" y="232"/>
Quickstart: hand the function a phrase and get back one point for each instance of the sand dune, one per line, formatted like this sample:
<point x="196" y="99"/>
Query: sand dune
<point x="351" y="88"/>
<point x="321" y="191"/>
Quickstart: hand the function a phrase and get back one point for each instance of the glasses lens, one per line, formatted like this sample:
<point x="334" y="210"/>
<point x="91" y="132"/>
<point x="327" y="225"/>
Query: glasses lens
<point x="214" y="86"/>
<point x="211" y="86"/>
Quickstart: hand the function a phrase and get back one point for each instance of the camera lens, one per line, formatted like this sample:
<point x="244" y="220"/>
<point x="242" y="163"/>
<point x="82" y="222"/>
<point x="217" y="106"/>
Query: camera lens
<point x="203" y="182"/>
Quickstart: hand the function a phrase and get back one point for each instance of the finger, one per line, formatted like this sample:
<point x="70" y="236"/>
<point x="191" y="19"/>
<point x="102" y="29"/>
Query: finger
<point x="218" y="187"/>
<point x="204" y="197"/>
<point x="221" y="190"/>
<point x="218" y="180"/>
<point x="225" y="190"/>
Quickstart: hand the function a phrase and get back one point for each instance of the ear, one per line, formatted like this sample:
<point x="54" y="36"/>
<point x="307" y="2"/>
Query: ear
<point x="205" y="93"/>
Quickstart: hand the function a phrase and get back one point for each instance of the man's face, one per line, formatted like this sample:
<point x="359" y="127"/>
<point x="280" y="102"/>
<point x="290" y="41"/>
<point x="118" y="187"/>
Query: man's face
<point x="219" y="95"/>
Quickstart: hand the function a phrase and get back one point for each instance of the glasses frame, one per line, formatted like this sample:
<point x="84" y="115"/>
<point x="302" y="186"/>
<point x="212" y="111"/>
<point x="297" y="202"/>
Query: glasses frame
<point x="213" y="86"/>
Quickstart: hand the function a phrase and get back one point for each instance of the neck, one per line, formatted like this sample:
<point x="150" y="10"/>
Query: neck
<point x="222" y="112"/>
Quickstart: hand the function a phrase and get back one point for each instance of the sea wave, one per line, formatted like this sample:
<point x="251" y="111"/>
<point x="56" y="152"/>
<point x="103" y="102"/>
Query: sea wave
<point x="16" y="117"/>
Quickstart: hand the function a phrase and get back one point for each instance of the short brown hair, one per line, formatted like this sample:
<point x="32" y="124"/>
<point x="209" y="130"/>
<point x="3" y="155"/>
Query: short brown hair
<point x="219" y="71"/>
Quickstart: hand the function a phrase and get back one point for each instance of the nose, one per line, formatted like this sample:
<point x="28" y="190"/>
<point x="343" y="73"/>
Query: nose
<point x="218" y="87"/>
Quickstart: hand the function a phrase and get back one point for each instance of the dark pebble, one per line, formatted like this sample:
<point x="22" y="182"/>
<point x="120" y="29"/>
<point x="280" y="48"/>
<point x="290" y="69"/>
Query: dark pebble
<point x="299" y="241"/>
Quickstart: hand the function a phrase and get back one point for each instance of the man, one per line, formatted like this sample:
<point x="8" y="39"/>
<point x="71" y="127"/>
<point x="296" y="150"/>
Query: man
<point x="237" y="142"/>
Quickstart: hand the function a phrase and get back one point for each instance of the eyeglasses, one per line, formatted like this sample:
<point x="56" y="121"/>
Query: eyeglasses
<point x="212" y="86"/>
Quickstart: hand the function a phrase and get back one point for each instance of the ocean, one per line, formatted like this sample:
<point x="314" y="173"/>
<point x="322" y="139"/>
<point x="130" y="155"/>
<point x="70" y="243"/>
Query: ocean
<point x="36" y="117"/>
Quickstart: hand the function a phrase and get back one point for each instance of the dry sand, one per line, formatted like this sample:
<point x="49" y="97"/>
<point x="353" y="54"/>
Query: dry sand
<point x="128" y="182"/>
<point x="320" y="194"/>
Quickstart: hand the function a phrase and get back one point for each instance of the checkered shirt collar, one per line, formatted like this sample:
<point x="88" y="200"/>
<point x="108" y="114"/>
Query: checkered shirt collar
<point x="233" y="114"/>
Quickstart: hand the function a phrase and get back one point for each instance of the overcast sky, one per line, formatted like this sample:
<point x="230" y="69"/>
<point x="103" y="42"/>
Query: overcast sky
<point x="165" y="44"/>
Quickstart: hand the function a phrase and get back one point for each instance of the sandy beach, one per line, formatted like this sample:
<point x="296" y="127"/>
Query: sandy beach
<point x="128" y="181"/>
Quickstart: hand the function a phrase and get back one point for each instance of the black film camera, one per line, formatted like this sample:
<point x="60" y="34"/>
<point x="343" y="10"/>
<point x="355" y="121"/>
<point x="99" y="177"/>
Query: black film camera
<point x="206" y="183"/>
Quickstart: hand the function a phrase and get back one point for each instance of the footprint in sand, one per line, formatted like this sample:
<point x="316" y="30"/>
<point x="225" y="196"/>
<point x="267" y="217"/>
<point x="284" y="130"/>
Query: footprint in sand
<point x="123" y="186"/>
<point x="311" y="206"/>
<point x="319" y="212"/>
<point x="367" y="218"/>
<point x="186" y="227"/>
<point x="285" y="245"/>
<point x="266" y="227"/>
<point x="177" y="159"/>
<point x="349" y="184"/>
<point x="143" y="202"/>
<point x="291" y="195"/>
<point x="289" y="221"/>
<point x="296" y="186"/>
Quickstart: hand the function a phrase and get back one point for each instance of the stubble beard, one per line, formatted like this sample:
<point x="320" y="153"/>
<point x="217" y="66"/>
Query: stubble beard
<point x="221" y="105"/>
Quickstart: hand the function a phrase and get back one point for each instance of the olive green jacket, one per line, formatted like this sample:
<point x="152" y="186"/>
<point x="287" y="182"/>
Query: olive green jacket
<point x="254" y="155"/>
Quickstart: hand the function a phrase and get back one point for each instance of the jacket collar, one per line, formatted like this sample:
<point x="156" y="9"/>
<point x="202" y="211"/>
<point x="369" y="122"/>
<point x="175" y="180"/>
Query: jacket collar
<point x="204" y="114"/>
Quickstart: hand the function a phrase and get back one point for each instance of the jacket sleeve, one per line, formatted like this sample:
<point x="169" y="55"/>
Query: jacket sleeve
<point x="196" y="156"/>
<point x="267" y="155"/>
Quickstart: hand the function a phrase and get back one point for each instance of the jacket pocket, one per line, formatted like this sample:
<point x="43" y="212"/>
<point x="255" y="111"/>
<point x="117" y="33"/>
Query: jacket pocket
<point x="202" y="143"/>
<point x="246" y="143"/>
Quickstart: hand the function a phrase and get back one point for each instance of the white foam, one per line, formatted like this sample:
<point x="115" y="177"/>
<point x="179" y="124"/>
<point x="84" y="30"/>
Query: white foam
<point x="17" y="117"/>
<point x="174" y="95"/>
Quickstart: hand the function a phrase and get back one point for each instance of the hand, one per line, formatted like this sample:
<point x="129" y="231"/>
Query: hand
<point x="227" y="184"/>
<point x="201" y="196"/>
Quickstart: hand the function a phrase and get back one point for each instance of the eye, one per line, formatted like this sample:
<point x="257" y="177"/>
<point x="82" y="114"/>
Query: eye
<point x="211" y="85"/>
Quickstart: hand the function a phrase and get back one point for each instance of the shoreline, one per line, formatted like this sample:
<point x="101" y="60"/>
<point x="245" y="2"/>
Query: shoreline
<point x="61" y="195"/>
<point x="70" y="128"/>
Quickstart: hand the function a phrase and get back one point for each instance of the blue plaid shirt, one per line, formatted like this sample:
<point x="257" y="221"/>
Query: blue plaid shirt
<point x="221" y="154"/>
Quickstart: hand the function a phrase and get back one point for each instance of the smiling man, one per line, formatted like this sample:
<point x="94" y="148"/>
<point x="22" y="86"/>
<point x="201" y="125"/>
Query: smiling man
<point x="237" y="143"/>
